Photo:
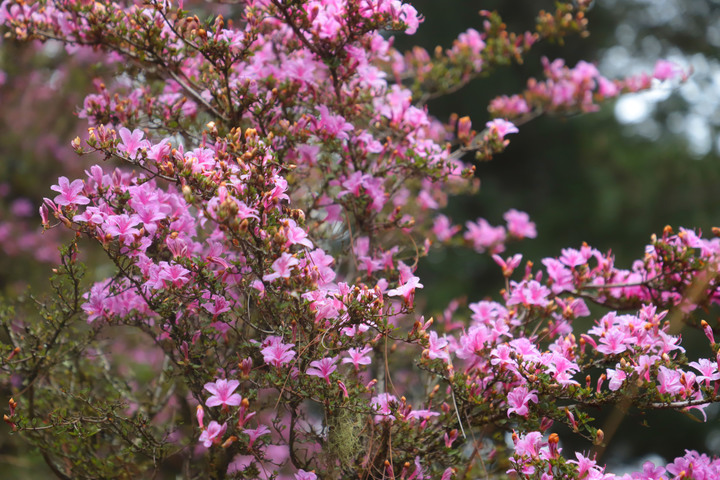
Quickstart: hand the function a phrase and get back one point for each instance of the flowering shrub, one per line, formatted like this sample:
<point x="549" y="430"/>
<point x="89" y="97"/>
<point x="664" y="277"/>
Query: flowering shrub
<point x="266" y="183"/>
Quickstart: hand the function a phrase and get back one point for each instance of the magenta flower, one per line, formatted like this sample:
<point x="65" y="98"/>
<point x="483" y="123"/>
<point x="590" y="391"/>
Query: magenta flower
<point x="358" y="357"/>
<point x="70" y="192"/>
<point x="382" y="405"/>
<point x="323" y="368"/>
<point x="123" y="227"/>
<point x="528" y="445"/>
<point x="437" y="347"/>
<point x="518" y="400"/>
<point x="176" y="274"/>
<point x="669" y="381"/>
<point x="213" y="434"/>
<point x="255" y="433"/>
<point x="332" y="125"/>
<point x="278" y="353"/>
<point x="282" y="267"/>
<point x="708" y="370"/>
<point x="217" y="306"/>
<point x="529" y="293"/>
<point x="519" y="224"/>
<point x="483" y="236"/>
<point x="617" y="378"/>
<point x="132" y="142"/>
<point x="222" y="393"/>
<point x="614" y="341"/>
<point x="443" y="228"/>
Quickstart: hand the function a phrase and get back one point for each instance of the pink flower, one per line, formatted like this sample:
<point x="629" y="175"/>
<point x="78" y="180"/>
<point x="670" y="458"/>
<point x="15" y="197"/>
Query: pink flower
<point x="222" y="393"/>
<point x="483" y="236"/>
<point x="614" y="341"/>
<point x="176" y="274"/>
<point x="406" y="290"/>
<point x="518" y="400"/>
<point x="303" y="475"/>
<point x="333" y="125"/>
<point x="528" y="445"/>
<point x="509" y="265"/>
<point x="443" y="229"/>
<point x="123" y="227"/>
<point x="617" y="378"/>
<point x="708" y="370"/>
<point x="278" y="353"/>
<point x="358" y="357"/>
<point x="69" y="192"/>
<point x="437" y="347"/>
<point x="323" y="368"/>
<point x="282" y="267"/>
<point x="255" y="433"/>
<point x="132" y="142"/>
<point x="501" y="127"/>
<point x="519" y="224"/>
<point x="666" y="70"/>
<point x="213" y="434"/>
<point x="382" y="405"/>
<point x="669" y="381"/>
<point x="529" y="293"/>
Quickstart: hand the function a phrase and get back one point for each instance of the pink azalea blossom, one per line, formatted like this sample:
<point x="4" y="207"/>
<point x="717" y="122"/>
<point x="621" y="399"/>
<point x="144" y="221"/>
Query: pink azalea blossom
<point x="277" y="353"/>
<point x="323" y="368"/>
<point x="70" y="192"/>
<point x="382" y="405"/>
<point x="282" y="267"/>
<point x="519" y="224"/>
<point x="437" y="347"/>
<point x="518" y="400"/>
<point x="213" y="434"/>
<point x="666" y="70"/>
<point x="501" y="127"/>
<point x="406" y="290"/>
<point x="255" y="433"/>
<point x="132" y="142"/>
<point x="222" y="393"/>
<point x="358" y="357"/>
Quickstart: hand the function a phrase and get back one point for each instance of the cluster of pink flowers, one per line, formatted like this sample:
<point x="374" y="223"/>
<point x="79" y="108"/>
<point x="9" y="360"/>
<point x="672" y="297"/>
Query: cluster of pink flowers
<point x="580" y="88"/>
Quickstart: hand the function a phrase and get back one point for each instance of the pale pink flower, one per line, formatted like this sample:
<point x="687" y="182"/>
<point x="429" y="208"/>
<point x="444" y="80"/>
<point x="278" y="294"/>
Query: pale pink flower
<point x="222" y="393"/>
<point x="213" y="434"/>
<point x="666" y="70"/>
<point x="70" y="192"/>
<point x="132" y="142"/>
<point x="323" y="368"/>
<point x="406" y="290"/>
<point x="358" y="357"/>
<point x="278" y="353"/>
<point x="519" y="224"/>
<point x="303" y="475"/>
<point x="518" y="400"/>
<point x="501" y="127"/>
<point x="282" y="267"/>
<point x="255" y="433"/>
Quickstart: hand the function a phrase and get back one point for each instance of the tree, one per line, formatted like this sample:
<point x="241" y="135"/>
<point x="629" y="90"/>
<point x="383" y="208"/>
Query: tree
<point x="279" y="178"/>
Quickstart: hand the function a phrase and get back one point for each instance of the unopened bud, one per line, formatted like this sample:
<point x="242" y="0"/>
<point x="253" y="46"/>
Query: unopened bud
<point x="599" y="437"/>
